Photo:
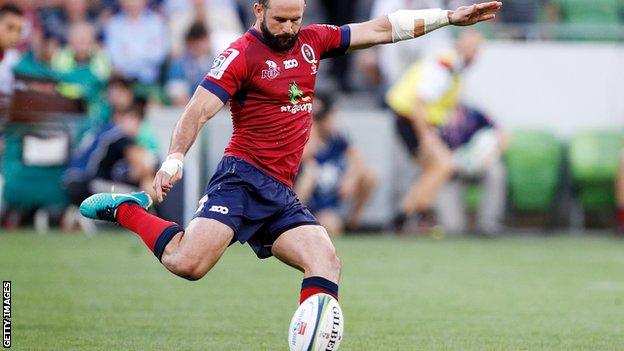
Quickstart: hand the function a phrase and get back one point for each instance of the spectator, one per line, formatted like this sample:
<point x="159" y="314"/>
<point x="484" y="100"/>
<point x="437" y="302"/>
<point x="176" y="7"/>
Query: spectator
<point x="522" y="11"/>
<point x="11" y="25"/>
<point x="477" y="145"/>
<point x="37" y="61"/>
<point x="110" y="156"/>
<point x="187" y="71"/>
<point x="620" y="195"/>
<point x="340" y="13"/>
<point x="82" y="63"/>
<point x="393" y="60"/>
<point x="136" y="40"/>
<point x="121" y="97"/>
<point x="334" y="173"/>
<point x="219" y="16"/>
<point x="423" y="100"/>
<point x="58" y="19"/>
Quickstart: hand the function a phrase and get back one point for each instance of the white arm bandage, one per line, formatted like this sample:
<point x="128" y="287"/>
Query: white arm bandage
<point x="172" y="166"/>
<point x="408" y="24"/>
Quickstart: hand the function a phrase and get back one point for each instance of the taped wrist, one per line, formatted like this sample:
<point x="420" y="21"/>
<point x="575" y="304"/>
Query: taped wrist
<point x="172" y="166"/>
<point x="408" y="24"/>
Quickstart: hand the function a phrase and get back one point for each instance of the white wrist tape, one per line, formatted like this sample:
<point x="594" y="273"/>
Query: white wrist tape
<point x="408" y="24"/>
<point x="172" y="166"/>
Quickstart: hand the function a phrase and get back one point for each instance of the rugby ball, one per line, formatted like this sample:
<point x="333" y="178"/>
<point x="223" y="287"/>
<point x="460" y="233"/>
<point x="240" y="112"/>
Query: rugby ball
<point x="317" y="325"/>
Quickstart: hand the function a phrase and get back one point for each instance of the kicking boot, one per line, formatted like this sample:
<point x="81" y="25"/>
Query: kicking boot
<point x="103" y="206"/>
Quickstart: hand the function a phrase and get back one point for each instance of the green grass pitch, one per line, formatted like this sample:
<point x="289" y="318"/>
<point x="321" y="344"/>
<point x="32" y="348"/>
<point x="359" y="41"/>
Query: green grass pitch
<point x="71" y="292"/>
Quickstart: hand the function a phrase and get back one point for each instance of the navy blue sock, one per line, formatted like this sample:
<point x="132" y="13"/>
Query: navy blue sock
<point x="316" y="285"/>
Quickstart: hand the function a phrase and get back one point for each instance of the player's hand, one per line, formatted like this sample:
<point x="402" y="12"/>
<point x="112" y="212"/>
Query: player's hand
<point x="169" y="173"/>
<point x="468" y="15"/>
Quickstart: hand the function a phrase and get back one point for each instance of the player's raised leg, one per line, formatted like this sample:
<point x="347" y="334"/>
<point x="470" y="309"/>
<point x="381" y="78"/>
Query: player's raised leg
<point x="309" y="249"/>
<point x="189" y="253"/>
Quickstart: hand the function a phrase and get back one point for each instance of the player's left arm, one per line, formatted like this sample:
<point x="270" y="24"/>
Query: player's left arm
<point x="409" y="24"/>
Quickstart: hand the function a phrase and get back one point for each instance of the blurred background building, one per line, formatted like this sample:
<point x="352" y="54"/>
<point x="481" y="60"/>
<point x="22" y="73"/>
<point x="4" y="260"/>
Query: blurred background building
<point x="549" y="73"/>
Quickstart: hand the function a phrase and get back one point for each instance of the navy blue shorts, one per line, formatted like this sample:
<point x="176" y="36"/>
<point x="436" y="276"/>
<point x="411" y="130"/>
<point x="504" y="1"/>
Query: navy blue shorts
<point x="255" y="205"/>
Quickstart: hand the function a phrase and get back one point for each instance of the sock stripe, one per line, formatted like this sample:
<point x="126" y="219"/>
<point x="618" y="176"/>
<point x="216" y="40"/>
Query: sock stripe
<point x="164" y="239"/>
<point x="322" y="283"/>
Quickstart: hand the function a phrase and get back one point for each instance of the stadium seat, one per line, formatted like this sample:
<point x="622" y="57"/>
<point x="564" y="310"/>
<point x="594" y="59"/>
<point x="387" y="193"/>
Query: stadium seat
<point x="594" y="157"/>
<point x="591" y="11"/>
<point x="27" y="186"/>
<point x="533" y="161"/>
<point x="591" y="19"/>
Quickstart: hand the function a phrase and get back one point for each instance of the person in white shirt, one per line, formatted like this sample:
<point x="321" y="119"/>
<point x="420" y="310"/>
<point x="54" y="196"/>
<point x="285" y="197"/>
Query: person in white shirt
<point x="136" y="40"/>
<point x="219" y="16"/>
<point x="11" y="25"/>
<point x="393" y="60"/>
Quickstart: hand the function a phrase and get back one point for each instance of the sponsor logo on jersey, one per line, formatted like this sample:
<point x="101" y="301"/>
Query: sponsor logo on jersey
<point x="221" y="63"/>
<point x="288" y="64"/>
<point x="272" y="72"/>
<point x="309" y="56"/>
<point x="296" y="95"/>
<point x="220" y="209"/>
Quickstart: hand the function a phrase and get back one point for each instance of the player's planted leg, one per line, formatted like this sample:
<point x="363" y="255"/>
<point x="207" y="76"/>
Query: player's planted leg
<point x="309" y="249"/>
<point x="189" y="253"/>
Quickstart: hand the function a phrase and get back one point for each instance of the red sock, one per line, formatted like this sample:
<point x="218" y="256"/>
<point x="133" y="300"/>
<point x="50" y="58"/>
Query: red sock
<point x="620" y="218"/>
<point x="315" y="285"/>
<point x="146" y="225"/>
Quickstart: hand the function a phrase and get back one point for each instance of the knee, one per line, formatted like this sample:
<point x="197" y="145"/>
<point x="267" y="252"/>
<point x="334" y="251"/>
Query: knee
<point x="442" y="165"/>
<point x="446" y="166"/>
<point x="189" y="269"/>
<point x="370" y="179"/>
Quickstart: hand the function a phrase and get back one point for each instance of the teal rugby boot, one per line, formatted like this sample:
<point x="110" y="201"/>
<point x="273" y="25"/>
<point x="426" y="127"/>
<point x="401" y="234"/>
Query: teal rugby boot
<point x="103" y="206"/>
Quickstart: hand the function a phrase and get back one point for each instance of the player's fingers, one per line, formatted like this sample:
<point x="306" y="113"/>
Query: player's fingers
<point x="158" y="186"/>
<point x="487" y="17"/>
<point x="489" y="5"/>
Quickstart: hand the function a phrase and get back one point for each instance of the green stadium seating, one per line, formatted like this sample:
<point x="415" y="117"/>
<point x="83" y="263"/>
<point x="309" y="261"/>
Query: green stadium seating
<point x="28" y="187"/>
<point x="533" y="161"/>
<point x="591" y="11"/>
<point x="594" y="158"/>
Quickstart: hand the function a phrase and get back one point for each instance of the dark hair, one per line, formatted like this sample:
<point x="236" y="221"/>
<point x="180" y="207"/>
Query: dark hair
<point x="196" y="31"/>
<point x="326" y="103"/>
<point x="265" y="3"/>
<point x="12" y="9"/>
<point x="118" y="79"/>
<point x="136" y="109"/>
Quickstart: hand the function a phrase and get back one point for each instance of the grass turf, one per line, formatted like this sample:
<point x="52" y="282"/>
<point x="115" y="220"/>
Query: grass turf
<point x="108" y="293"/>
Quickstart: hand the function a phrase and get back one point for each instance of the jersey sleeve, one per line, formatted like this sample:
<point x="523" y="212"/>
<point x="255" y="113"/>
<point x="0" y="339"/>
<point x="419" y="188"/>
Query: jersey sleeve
<point x="331" y="40"/>
<point x="227" y="74"/>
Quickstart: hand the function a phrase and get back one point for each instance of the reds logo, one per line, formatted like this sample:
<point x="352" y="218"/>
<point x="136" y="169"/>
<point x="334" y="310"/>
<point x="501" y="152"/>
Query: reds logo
<point x="309" y="56"/>
<point x="272" y="72"/>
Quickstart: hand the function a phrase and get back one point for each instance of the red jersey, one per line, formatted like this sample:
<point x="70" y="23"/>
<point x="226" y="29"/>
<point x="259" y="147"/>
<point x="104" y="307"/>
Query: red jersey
<point x="270" y="95"/>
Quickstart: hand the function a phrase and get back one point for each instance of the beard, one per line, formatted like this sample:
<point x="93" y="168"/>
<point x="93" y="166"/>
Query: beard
<point x="283" y="42"/>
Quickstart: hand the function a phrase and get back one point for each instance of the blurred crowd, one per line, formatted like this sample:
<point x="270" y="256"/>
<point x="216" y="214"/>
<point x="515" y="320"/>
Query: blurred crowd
<point x="120" y="56"/>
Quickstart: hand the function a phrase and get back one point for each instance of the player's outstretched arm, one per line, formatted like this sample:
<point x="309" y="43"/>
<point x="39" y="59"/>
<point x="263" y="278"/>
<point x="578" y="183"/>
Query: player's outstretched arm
<point x="409" y="24"/>
<point x="202" y="107"/>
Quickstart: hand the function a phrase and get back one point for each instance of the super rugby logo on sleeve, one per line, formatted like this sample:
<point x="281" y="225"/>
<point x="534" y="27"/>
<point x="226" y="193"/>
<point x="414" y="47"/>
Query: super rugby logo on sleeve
<point x="221" y="63"/>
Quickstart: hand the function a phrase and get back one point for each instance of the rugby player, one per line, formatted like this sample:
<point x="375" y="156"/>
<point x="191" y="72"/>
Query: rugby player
<point x="268" y="77"/>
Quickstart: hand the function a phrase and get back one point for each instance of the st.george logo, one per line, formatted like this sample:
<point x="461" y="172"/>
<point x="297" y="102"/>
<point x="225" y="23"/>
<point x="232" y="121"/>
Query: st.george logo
<point x="272" y="72"/>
